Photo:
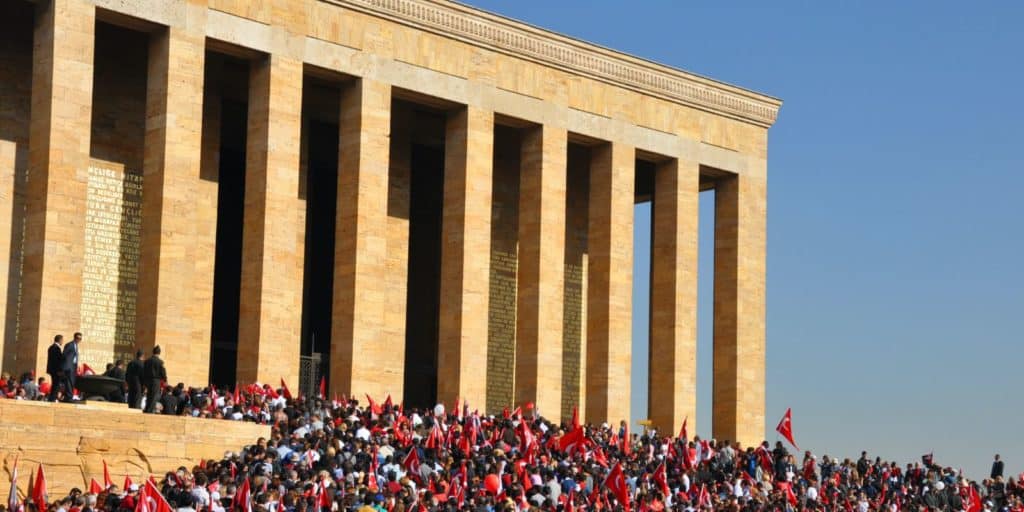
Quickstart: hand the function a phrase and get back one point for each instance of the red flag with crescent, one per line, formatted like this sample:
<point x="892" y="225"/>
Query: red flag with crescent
<point x="785" y="427"/>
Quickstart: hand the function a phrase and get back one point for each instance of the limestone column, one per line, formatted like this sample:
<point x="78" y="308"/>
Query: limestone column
<point x="541" y="272"/>
<point x="610" y="282"/>
<point x="58" y="162"/>
<point x="166" y="305"/>
<point x="672" y="378"/>
<point x="739" y="351"/>
<point x="362" y="361"/>
<point x="269" y="311"/>
<point x="465" y="264"/>
<point x="397" y="273"/>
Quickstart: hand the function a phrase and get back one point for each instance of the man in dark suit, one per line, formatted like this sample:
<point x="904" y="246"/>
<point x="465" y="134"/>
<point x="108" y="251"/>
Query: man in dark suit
<point x="55" y="366"/>
<point x="133" y="376"/>
<point x="71" y="365"/>
<point x="153" y="375"/>
<point x="997" y="467"/>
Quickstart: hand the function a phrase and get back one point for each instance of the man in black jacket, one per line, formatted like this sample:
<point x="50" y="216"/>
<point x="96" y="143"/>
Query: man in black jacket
<point x="54" y="367"/>
<point x="133" y="377"/>
<point x="153" y="375"/>
<point x="997" y="468"/>
<point x="70" y="365"/>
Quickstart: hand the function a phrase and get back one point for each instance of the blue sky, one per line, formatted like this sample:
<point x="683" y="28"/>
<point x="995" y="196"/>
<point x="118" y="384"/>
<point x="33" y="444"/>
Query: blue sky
<point x="895" y="281"/>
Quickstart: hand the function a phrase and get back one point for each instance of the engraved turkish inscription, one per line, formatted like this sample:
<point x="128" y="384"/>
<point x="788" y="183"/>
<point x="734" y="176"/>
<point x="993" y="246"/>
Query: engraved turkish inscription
<point x="501" y="330"/>
<point x="113" y="221"/>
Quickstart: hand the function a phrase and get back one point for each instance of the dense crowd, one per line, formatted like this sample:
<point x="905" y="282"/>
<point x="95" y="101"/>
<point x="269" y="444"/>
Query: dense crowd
<point x="341" y="455"/>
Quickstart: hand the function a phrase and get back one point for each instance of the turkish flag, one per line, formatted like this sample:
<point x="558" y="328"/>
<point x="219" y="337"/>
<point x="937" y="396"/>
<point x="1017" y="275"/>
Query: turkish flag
<point x="526" y="437"/>
<point x="243" y="498"/>
<point x="284" y="388"/>
<point x="323" y="499"/>
<point x="107" y="481"/>
<point x="661" y="478"/>
<point x="375" y="408"/>
<point x="682" y="432"/>
<point x="973" y="500"/>
<point x="39" y="489"/>
<point x="616" y="482"/>
<point x="142" y="504"/>
<point x="94" y="487"/>
<point x="434" y="438"/>
<point x="703" y="498"/>
<point x="788" y="489"/>
<point x="687" y="458"/>
<point x="412" y="461"/>
<point x="160" y="503"/>
<point x="323" y="386"/>
<point x="575" y="417"/>
<point x="785" y="427"/>
<point x="571" y="439"/>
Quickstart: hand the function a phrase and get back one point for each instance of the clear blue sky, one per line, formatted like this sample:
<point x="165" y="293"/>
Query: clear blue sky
<point x="895" y="222"/>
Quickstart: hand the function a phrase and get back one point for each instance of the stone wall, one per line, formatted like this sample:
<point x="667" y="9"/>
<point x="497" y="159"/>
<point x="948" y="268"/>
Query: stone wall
<point x="72" y="441"/>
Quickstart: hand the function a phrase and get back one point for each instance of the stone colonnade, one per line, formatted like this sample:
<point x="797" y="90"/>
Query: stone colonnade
<point x="175" y="269"/>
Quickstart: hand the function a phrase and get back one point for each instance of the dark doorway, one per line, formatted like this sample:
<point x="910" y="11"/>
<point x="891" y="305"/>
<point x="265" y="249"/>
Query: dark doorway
<point x="321" y="204"/>
<point x="424" y="288"/>
<point x="227" y="274"/>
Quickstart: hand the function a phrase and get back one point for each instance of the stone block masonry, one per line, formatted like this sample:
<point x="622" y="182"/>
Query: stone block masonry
<point x="72" y="441"/>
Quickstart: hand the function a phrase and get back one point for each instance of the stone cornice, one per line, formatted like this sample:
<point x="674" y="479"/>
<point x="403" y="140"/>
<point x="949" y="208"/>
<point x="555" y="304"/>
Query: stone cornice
<point x="508" y="36"/>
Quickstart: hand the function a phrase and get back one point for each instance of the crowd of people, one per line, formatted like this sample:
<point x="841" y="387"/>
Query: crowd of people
<point x="342" y="455"/>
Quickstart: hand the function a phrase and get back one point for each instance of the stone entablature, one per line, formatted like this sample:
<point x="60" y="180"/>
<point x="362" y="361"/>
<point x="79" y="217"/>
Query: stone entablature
<point x="545" y="47"/>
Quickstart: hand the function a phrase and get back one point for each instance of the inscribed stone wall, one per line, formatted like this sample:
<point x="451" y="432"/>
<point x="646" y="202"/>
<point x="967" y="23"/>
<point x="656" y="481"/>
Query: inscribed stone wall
<point x="15" y="101"/>
<point x="113" y="214"/>
<point x="574" y="313"/>
<point x="501" y="324"/>
<point x="113" y="220"/>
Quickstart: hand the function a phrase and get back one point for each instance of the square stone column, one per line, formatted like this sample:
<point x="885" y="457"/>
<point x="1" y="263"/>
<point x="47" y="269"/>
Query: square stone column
<point x="362" y="359"/>
<point x="739" y="323"/>
<point x="672" y="378"/>
<point x="270" y="309"/>
<point x="465" y="261"/>
<point x="610" y="282"/>
<point x="541" y="275"/>
<point x="397" y="272"/>
<point x="167" y="302"/>
<point x="58" y="165"/>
